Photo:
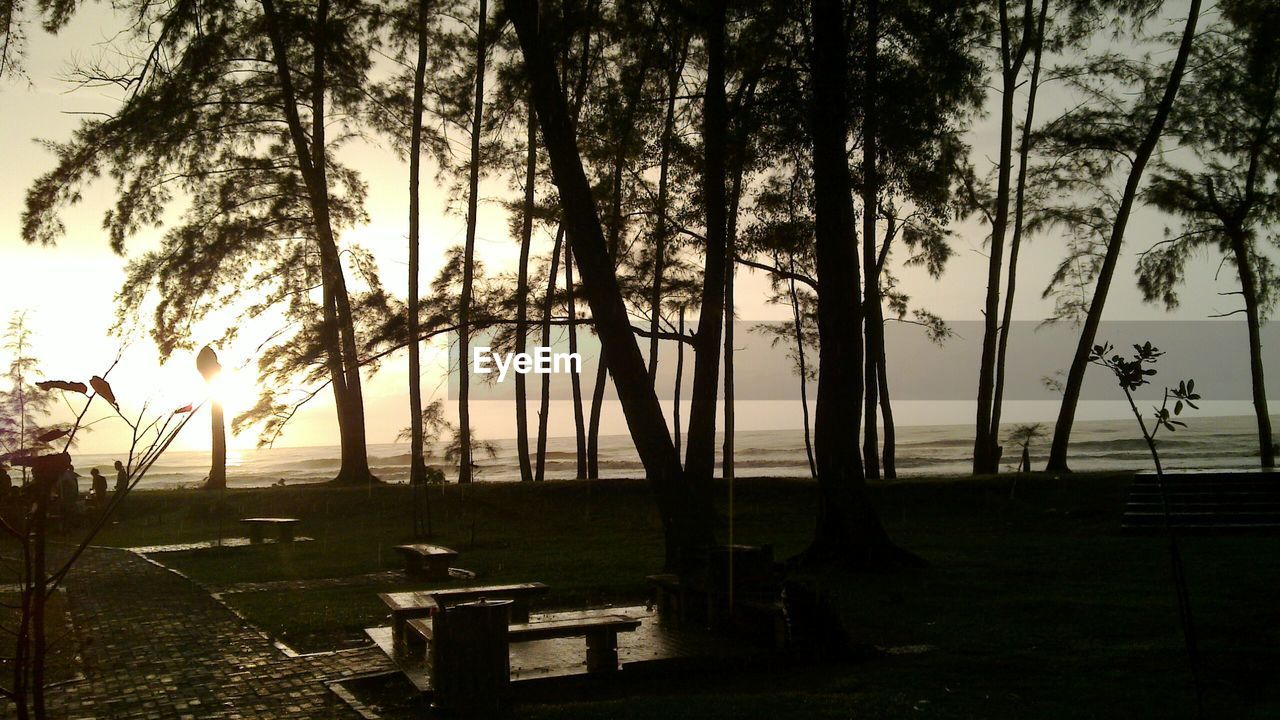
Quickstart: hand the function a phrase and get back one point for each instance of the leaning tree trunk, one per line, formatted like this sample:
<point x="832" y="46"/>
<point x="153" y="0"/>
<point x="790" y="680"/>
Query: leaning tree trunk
<point x="522" y="295"/>
<point x="1249" y="289"/>
<point x="468" y="261"/>
<point x="700" y="454"/>
<point x="1089" y="333"/>
<point x="686" y="523"/>
<point x="544" y="406"/>
<point x="848" y="529"/>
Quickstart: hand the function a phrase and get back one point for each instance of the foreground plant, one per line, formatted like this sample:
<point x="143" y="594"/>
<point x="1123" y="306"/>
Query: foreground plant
<point x="27" y="522"/>
<point x="1132" y="374"/>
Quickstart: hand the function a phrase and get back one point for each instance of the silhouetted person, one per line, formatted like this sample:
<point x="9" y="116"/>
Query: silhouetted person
<point x="122" y="478"/>
<point x="6" y="482"/>
<point x="68" y="491"/>
<point x="98" y="492"/>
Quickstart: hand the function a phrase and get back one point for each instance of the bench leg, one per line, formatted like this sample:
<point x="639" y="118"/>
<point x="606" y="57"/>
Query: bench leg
<point x="520" y="611"/>
<point x="435" y="569"/>
<point x="414" y="646"/>
<point x="255" y="535"/>
<point x="286" y="533"/>
<point x="602" y="651"/>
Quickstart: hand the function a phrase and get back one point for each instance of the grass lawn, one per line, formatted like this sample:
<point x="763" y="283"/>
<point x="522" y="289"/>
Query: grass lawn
<point x="1033" y="607"/>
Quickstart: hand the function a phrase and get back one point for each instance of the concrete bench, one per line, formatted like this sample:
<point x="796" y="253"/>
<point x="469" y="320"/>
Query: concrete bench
<point x="600" y="631"/>
<point x="426" y="562"/>
<point x="406" y="606"/>
<point x="284" y="528"/>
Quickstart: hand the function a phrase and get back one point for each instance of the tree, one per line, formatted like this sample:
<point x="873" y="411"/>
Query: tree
<point x="1096" y="137"/>
<point x="24" y="408"/>
<point x="1013" y="54"/>
<point x="209" y="367"/>
<point x="685" y="516"/>
<point x="1023" y="436"/>
<point x="848" y="530"/>
<point x="468" y="262"/>
<point x="417" y="460"/>
<point x="700" y="449"/>
<point x="235" y="110"/>
<point x="522" y="289"/>
<point x="1230" y="121"/>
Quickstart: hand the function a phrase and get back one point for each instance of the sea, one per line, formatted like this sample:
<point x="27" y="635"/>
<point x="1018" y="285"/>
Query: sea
<point x="922" y="450"/>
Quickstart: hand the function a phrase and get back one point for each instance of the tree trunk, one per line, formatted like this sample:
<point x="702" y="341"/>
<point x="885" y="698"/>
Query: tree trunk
<point x="848" y="528"/>
<point x="873" y="322"/>
<point x="575" y="379"/>
<point x="660" y="221"/>
<point x="889" y="464"/>
<point x="731" y="241"/>
<point x="548" y="306"/>
<point x="417" y="453"/>
<point x="700" y="454"/>
<point x="218" y="468"/>
<point x="686" y="524"/>
<point x="1249" y="289"/>
<point x="675" y="420"/>
<point x="522" y="295"/>
<point x="469" y="252"/>
<point x="726" y="451"/>
<point x="593" y="421"/>
<point x="338" y="329"/>
<point x="421" y="511"/>
<point x="1088" y="334"/>
<point x="1019" y="216"/>
<point x="986" y="456"/>
<point x="798" y="319"/>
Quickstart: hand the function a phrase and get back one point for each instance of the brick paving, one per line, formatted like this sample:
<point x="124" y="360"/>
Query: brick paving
<point x="156" y="645"/>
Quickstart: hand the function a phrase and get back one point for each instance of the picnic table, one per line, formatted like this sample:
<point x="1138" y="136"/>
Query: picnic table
<point x="406" y="606"/>
<point x="284" y="527"/>
<point x="427" y="562"/>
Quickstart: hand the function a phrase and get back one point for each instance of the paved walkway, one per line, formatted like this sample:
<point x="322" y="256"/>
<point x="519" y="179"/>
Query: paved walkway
<point x="156" y="645"/>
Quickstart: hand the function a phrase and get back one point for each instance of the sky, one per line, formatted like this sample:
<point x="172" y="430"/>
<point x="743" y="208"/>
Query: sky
<point x="68" y="290"/>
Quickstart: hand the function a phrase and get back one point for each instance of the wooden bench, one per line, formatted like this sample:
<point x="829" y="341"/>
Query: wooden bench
<point x="406" y="606"/>
<point x="283" y="526"/>
<point x="427" y="562"/>
<point x="600" y="631"/>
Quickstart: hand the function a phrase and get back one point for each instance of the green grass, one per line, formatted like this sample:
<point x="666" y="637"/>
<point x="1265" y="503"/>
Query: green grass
<point x="1035" y="607"/>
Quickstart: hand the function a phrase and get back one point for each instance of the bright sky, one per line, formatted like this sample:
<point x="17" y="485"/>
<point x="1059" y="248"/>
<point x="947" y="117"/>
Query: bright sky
<point x="69" y="289"/>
